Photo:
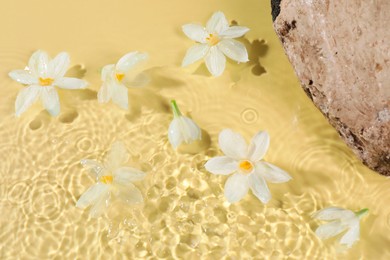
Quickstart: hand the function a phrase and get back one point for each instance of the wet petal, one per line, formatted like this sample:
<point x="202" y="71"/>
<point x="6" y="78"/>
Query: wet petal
<point x="26" y="98"/>
<point x="70" y="83"/>
<point x="129" y="194"/>
<point x="234" y="32"/>
<point x="232" y="144"/>
<point x="116" y="157"/>
<point x="92" y="166"/>
<point x="59" y="65"/>
<point x="183" y="129"/>
<point x="234" y="50"/>
<point x="92" y="195"/>
<point x="23" y="76"/>
<point x="330" y="230"/>
<point x="332" y="213"/>
<point x="129" y="60"/>
<point x="259" y="187"/>
<point x="39" y="64"/>
<point x="195" y="53"/>
<point x="174" y="134"/>
<point x="258" y="146"/>
<point x="100" y="205"/>
<point x="236" y="187"/>
<point x="221" y="165"/>
<point x="352" y="234"/>
<point x="272" y="173"/>
<point x="126" y="175"/>
<point x="215" y="61"/>
<point x="108" y="72"/>
<point x="51" y="100"/>
<point x="217" y="23"/>
<point x="119" y="95"/>
<point x="195" y="32"/>
<point x="104" y="94"/>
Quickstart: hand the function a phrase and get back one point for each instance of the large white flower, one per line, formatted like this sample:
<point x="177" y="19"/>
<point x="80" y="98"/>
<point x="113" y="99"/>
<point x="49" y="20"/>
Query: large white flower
<point x="250" y="171"/>
<point x="112" y="179"/>
<point x="116" y="78"/>
<point x="340" y="220"/>
<point x="182" y="128"/>
<point x="214" y="42"/>
<point x="42" y="75"/>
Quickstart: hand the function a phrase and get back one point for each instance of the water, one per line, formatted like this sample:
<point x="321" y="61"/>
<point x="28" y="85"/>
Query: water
<point x="185" y="214"/>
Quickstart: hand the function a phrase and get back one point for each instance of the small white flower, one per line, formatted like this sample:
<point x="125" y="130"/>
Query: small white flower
<point x="250" y="171"/>
<point x="112" y="179"/>
<point x="214" y="42"/>
<point x="42" y="75"/>
<point x="340" y="220"/>
<point x="115" y="79"/>
<point x="182" y="128"/>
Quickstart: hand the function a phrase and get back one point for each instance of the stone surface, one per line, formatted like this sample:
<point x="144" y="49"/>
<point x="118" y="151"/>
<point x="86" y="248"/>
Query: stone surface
<point x="340" y="51"/>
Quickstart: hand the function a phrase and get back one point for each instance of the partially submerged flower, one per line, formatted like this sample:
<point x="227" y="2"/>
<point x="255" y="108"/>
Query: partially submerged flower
<point x="182" y="128"/>
<point x="112" y="179"/>
<point x="42" y="75"/>
<point x="214" y="42"/>
<point x="115" y="79"/>
<point x="250" y="171"/>
<point x="341" y="220"/>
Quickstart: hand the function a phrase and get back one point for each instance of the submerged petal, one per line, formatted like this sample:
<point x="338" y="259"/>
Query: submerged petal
<point x="92" y="166"/>
<point x="129" y="194"/>
<point x="125" y="175"/>
<point x="352" y="234"/>
<point x="116" y="157"/>
<point x="195" y="53"/>
<point x="232" y="144"/>
<point x="259" y="187"/>
<point x="258" y="146"/>
<point x="92" y="195"/>
<point x="330" y="229"/>
<point x="129" y="60"/>
<point x="234" y="32"/>
<point x="236" y="187"/>
<point x="215" y="61"/>
<point x="221" y="165"/>
<point x="234" y="50"/>
<point x="217" y="23"/>
<point x="26" y="98"/>
<point x="70" y="83"/>
<point x="51" y="100"/>
<point x="100" y="205"/>
<point x="59" y="65"/>
<point x="24" y="77"/>
<point x="272" y="173"/>
<point x="332" y="213"/>
<point x="39" y="64"/>
<point x="195" y="32"/>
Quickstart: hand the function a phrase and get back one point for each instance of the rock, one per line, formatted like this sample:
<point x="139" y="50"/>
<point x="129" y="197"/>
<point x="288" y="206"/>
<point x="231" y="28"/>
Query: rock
<point x="340" y="51"/>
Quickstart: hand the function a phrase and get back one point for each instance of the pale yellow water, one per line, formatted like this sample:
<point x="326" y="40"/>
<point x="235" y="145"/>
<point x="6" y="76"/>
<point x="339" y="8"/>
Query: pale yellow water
<point x="185" y="214"/>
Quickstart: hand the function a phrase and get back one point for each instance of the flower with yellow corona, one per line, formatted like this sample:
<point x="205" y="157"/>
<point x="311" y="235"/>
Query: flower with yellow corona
<point x="250" y="171"/>
<point x="112" y="179"/>
<point x="41" y="76"/>
<point x="214" y="42"/>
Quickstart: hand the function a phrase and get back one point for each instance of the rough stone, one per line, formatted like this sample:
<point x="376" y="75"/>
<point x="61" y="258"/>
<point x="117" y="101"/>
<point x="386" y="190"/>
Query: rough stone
<point x="340" y="51"/>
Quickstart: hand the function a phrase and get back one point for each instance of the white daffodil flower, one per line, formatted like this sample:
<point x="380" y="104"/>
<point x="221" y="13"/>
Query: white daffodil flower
<point x="340" y="220"/>
<point x="112" y="179"/>
<point x="214" y="42"/>
<point x="250" y="171"/>
<point x="42" y="75"/>
<point x="182" y="128"/>
<point x="115" y="79"/>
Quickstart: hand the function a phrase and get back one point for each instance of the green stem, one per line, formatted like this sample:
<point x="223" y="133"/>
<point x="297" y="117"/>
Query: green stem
<point x="175" y="108"/>
<point x="362" y="212"/>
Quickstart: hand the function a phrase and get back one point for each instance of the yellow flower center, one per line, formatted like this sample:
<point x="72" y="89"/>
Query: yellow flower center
<point x="46" y="81"/>
<point x="119" y="76"/>
<point x="213" y="39"/>
<point x="107" y="179"/>
<point x="246" y="166"/>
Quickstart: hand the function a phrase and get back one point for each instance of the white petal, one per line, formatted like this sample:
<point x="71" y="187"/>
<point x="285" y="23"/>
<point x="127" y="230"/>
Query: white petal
<point x="23" y="76"/>
<point x="258" y="146"/>
<point x="39" y="64"/>
<point x="119" y="95"/>
<point x="92" y="195"/>
<point x="330" y="230"/>
<point x="272" y="173"/>
<point x="174" y="135"/>
<point x="104" y="94"/>
<point x="116" y="157"/>
<point x="234" y="32"/>
<point x="92" y="166"/>
<point x="70" y="83"/>
<point x="195" y="53"/>
<point x="129" y="60"/>
<point x="183" y="129"/>
<point x="259" y="187"/>
<point x="215" y="61"/>
<point x="195" y="32"/>
<point x="129" y="194"/>
<point x="26" y="98"/>
<point x="221" y="165"/>
<point x="234" y="50"/>
<point x="59" y="65"/>
<point x="108" y="72"/>
<point x="236" y="187"/>
<point x="352" y="234"/>
<point x="100" y="205"/>
<point x="232" y="144"/>
<point x="332" y="213"/>
<point x="217" y="23"/>
<point x="125" y="175"/>
<point x="51" y="100"/>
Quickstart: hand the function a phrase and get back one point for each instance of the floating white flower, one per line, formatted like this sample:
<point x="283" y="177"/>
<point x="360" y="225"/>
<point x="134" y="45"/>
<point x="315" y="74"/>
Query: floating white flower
<point x="250" y="171"/>
<point x="214" y="42"/>
<point x="341" y="220"/>
<point x="115" y="79"/>
<point x="112" y="179"/>
<point x="182" y="128"/>
<point x="41" y="76"/>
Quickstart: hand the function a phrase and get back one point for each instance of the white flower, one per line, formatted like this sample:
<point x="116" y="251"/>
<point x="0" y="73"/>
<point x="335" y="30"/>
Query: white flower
<point x="112" y="179"/>
<point x="341" y="220"/>
<point x="250" y="171"/>
<point x="115" y="77"/>
<point x="215" y="41"/>
<point x="182" y="128"/>
<point x="41" y="76"/>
